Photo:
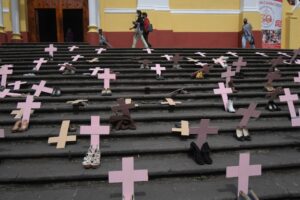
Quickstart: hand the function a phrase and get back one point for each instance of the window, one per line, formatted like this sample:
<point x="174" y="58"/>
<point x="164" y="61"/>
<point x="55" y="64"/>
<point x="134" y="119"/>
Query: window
<point x="153" y="5"/>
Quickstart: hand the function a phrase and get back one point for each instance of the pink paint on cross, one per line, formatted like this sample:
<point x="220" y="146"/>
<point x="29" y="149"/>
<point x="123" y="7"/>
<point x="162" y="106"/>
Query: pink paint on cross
<point x="273" y="76"/>
<point x="41" y="88"/>
<point x="123" y="106"/>
<point x="127" y="177"/>
<point x="107" y="76"/>
<point x="95" y="130"/>
<point x="202" y="131"/>
<point x="39" y="63"/>
<point x="100" y="50"/>
<point x="76" y="58"/>
<point x="239" y="64"/>
<point x="158" y="69"/>
<point x="228" y="74"/>
<point x="149" y="51"/>
<point x="2" y="134"/>
<point x="247" y="114"/>
<point x="223" y="91"/>
<point x="297" y="79"/>
<point x="243" y="172"/>
<point x="51" y="49"/>
<point x="17" y="84"/>
<point x="95" y="71"/>
<point x="72" y="48"/>
<point x="6" y="92"/>
<point x="289" y="98"/>
<point x="28" y="106"/>
<point x="4" y="71"/>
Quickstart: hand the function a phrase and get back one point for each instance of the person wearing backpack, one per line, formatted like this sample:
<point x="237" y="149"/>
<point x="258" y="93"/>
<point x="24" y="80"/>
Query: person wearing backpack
<point x="138" y="25"/>
<point x="147" y="28"/>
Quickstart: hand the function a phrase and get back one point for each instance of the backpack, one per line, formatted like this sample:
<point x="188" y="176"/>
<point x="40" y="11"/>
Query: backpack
<point x="150" y="28"/>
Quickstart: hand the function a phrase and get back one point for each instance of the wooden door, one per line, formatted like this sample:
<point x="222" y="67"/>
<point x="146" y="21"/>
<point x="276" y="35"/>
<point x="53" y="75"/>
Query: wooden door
<point x="59" y="5"/>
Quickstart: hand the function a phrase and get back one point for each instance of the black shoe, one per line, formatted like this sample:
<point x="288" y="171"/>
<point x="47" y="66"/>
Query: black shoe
<point x="205" y="150"/>
<point x="147" y="90"/>
<point x="275" y="106"/>
<point x="196" y="153"/>
<point x="239" y="135"/>
<point x="56" y="92"/>
<point x="269" y="106"/>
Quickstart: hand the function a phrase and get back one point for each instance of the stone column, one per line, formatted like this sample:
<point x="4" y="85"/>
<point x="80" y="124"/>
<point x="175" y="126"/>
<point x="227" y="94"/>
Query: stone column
<point x="92" y="35"/>
<point x="2" y="32"/>
<point x="15" y="18"/>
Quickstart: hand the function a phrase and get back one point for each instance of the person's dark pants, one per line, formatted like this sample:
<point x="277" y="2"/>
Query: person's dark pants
<point x="146" y="35"/>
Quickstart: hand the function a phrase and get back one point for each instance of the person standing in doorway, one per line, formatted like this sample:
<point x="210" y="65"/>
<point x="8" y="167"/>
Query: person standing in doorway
<point x="138" y="25"/>
<point x="247" y="35"/>
<point x="146" y="28"/>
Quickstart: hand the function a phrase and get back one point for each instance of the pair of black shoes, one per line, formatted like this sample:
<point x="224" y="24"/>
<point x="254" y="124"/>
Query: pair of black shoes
<point x="272" y="106"/>
<point x="56" y="92"/>
<point x="160" y="77"/>
<point x="201" y="156"/>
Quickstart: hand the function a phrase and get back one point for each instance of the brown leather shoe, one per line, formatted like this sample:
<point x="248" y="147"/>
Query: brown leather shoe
<point x="24" y="126"/>
<point x="16" y="127"/>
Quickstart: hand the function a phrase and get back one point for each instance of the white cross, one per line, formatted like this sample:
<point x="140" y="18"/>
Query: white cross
<point x="201" y="64"/>
<point x="221" y="60"/>
<point x="17" y="84"/>
<point x="149" y="51"/>
<point x="262" y="54"/>
<point x="284" y="54"/>
<point x="75" y="58"/>
<point x="232" y="53"/>
<point x="192" y="59"/>
<point x="6" y="92"/>
<point x="95" y="71"/>
<point x="168" y="57"/>
<point x="51" y="49"/>
<point x="201" y="54"/>
<point x="72" y="48"/>
<point x="100" y="50"/>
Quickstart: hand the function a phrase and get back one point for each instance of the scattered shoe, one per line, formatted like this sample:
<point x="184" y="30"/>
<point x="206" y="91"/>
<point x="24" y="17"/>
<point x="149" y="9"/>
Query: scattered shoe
<point x="56" y="92"/>
<point x="239" y="134"/>
<point x="92" y="158"/>
<point x="17" y="126"/>
<point x="196" y="153"/>
<point x="252" y="195"/>
<point x="230" y="107"/>
<point x="205" y="150"/>
<point x="246" y="134"/>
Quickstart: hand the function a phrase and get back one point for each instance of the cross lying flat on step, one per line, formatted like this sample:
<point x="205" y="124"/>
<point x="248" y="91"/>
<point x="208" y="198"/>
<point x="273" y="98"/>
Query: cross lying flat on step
<point x="284" y="54"/>
<point x="107" y="76"/>
<point x="41" y="88"/>
<point x="17" y="84"/>
<point x="223" y="91"/>
<point x="234" y="54"/>
<point x="296" y="53"/>
<point x="28" y="106"/>
<point x="19" y="113"/>
<point x="202" y="131"/>
<point x="123" y="107"/>
<point x="65" y="66"/>
<point x="51" y="49"/>
<point x="4" y="71"/>
<point x="262" y="54"/>
<point x="243" y="172"/>
<point x="240" y="63"/>
<point x="192" y="60"/>
<point x="63" y="137"/>
<point x="168" y="57"/>
<point x="39" y="63"/>
<point x="93" y="60"/>
<point x="2" y="133"/>
<point x="184" y="129"/>
<point x="76" y="58"/>
<point x="228" y="74"/>
<point x="221" y="60"/>
<point x="149" y="51"/>
<point x="277" y="61"/>
<point x="158" y="69"/>
<point x="170" y="102"/>
<point x="289" y="98"/>
<point x="247" y="114"/>
<point x="201" y="54"/>
<point x="95" y="71"/>
<point x="84" y="101"/>
<point x="127" y="177"/>
<point x="297" y="79"/>
<point x="72" y="48"/>
<point x="176" y="58"/>
<point x="206" y="68"/>
<point x="6" y="93"/>
<point x="100" y="50"/>
<point x="271" y="76"/>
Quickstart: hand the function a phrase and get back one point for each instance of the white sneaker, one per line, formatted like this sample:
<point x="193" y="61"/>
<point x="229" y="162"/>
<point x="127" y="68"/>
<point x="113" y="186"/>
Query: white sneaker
<point x="87" y="160"/>
<point x="95" y="162"/>
<point x="230" y="107"/>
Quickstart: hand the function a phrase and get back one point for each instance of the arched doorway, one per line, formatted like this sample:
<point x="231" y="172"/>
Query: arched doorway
<point x="50" y="20"/>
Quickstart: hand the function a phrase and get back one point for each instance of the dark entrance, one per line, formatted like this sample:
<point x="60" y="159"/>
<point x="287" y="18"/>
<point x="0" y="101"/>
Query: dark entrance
<point x="46" y="23"/>
<point x="73" y="22"/>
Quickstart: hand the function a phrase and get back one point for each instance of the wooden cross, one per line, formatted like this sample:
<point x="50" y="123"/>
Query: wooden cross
<point x="192" y="60"/>
<point x="77" y="101"/>
<point x="19" y="113"/>
<point x="123" y="107"/>
<point x="177" y="58"/>
<point x="145" y="62"/>
<point x="93" y="60"/>
<point x="170" y="102"/>
<point x="273" y="76"/>
<point x="277" y="61"/>
<point x="247" y="114"/>
<point x="239" y="64"/>
<point x="184" y="130"/>
<point x="63" y="137"/>
<point x="228" y="74"/>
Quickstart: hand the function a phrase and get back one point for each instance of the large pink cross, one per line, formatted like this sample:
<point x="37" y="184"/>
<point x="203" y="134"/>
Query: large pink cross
<point x="2" y="134"/>
<point x="39" y="63"/>
<point x="297" y="79"/>
<point x="123" y="106"/>
<point x="273" y="76"/>
<point x="127" y="177"/>
<point x="243" y="172"/>
<point x="224" y="93"/>
<point x="4" y="71"/>
<point x="158" y="69"/>
<point x="228" y="74"/>
<point x="51" y="49"/>
<point x="95" y="71"/>
<point x="95" y="130"/>
<point x="72" y="48"/>
<point x="17" y="84"/>
<point x="100" y="50"/>
<point x="247" y="114"/>
<point x="239" y="64"/>
<point x="107" y="76"/>
<point x="41" y="88"/>
<point x="202" y="131"/>
<point x="28" y="106"/>
<point x="289" y="98"/>
<point x="6" y="92"/>
<point x="75" y="58"/>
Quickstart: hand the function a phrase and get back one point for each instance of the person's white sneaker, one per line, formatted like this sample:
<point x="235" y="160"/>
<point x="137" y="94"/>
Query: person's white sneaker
<point x="230" y="107"/>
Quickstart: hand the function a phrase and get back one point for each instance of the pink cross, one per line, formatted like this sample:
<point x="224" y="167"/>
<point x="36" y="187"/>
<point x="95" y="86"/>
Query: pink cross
<point x="158" y="69"/>
<point x="66" y="65"/>
<point x="17" y="84"/>
<point x="6" y="92"/>
<point x="95" y="130"/>
<point x="239" y="64"/>
<point x="202" y="131"/>
<point x="75" y="58"/>
<point x="297" y="79"/>
<point x="41" y="88"/>
<point x="100" y="50"/>
<point x="289" y="98"/>
<point x="273" y="76"/>
<point x="243" y="172"/>
<point x="168" y="57"/>
<point x="39" y="63"/>
<point x="107" y="76"/>
<point x="223" y="92"/>
<point x="127" y="177"/>
<point x="4" y="71"/>
<point x="51" y="49"/>
<point x="2" y="134"/>
<point x="201" y="54"/>
<point x="234" y="54"/>
<point x="72" y="48"/>
<point x="28" y="106"/>
<point x="228" y="74"/>
<point x="297" y="62"/>
<point x="296" y="121"/>
<point x="247" y="114"/>
<point x="123" y="106"/>
<point x="149" y="51"/>
<point x="201" y="64"/>
<point x="296" y="53"/>
<point x="95" y="71"/>
<point x="222" y="61"/>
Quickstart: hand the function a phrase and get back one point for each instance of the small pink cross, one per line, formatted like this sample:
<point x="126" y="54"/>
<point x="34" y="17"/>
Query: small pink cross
<point x="95" y="71"/>
<point x="39" y="63"/>
<point x="4" y="71"/>
<point x="72" y="48"/>
<point x="100" y="50"/>
<point x="239" y="64"/>
<point x="221" y="60"/>
<point x="224" y="93"/>
<point x="168" y="57"/>
<point x="17" y="84"/>
<point x="6" y="92"/>
<point x="28" y="106"/>
<point x="41" y="88"/>
<point x="201" y="54"/>
<point x="202" y="131"/>
<point x="51" y="49"/>
<point x="243" y="172"/>
<point x="297" y="79"/>
<point x="107" y="76"/>
<point x="289" y="98"/>
<point x="273" y="76"/>
<point x="2" y="134"/>
<point x="75" y="58"/>
<point x="158" y="69"/>
<point x="228" y="74"/>
<point x="149" y="51"/>
<point x="247" y="114"/>
<point x="95" y="130"/>
<point x="297" y="62"/>
<point x="127" y="177"/>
